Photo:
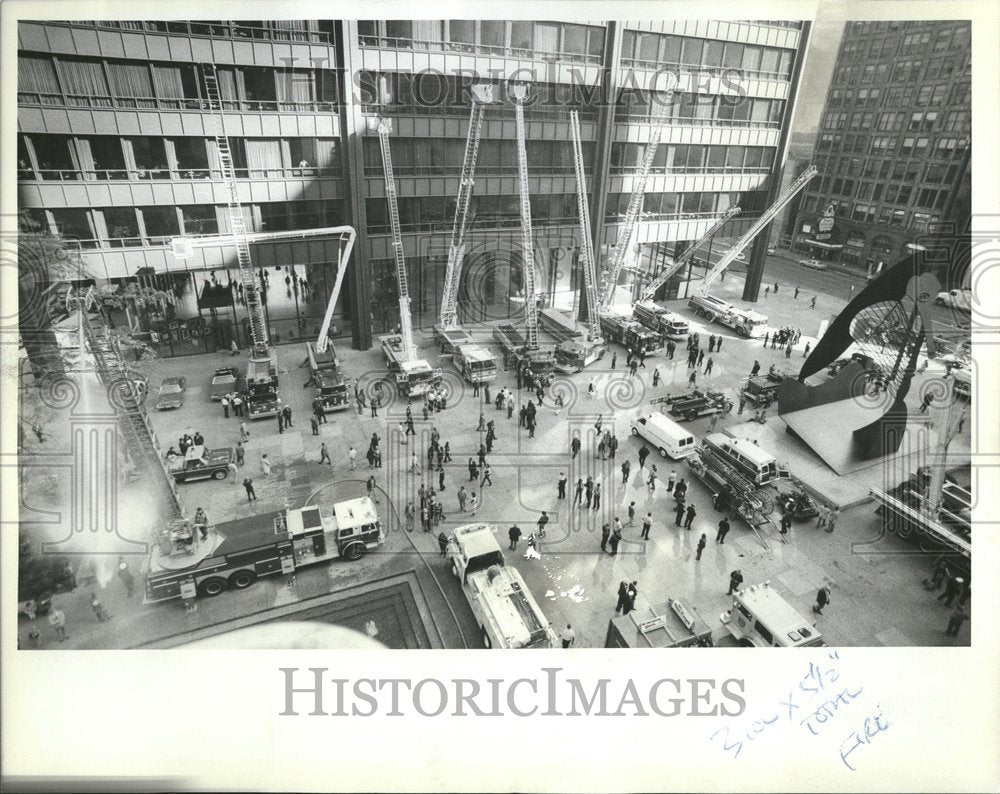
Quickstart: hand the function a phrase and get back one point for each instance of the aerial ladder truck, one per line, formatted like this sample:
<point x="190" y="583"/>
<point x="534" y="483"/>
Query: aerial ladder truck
<point x="745" y="323"/>
<point x="519" y="347"/>
<point x="476" y="363"/>
<point x="578" y="348"/>
<point x="632" y="214"/>
<point x="414" y="376"/>
<point x="657" y="317"/>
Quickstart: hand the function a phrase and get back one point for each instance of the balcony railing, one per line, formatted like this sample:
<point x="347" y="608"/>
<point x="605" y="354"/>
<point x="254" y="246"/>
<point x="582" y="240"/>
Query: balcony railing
<point x="391" y="43"/>
<point x="714" y="71"/>
<point x="221" y="29"/>
<point x="643" y="118"/>
<point x="540" y="113"/>
<point x="512" y="221"/>
<point x="619" y="170"/>
<point x="181" y="174"/>
<point x="455" y="170"/>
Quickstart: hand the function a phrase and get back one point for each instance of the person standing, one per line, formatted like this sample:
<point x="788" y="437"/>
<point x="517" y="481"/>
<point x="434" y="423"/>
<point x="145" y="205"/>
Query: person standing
<point x="561" y="486"/>
<point x="324" y="454"/>
<point x="651" y="480"/>
<point x="462" y="497"/>
<point x="630" y="597"/>
<point x="743" y="404"/>
<point x="225" y="405"/>
<point x="708" y="366"/>
<point x="314" y="424"/>
<point x="647" y="524"/>
<point x="701" y="546"/>
<point x="568" y="636"/>
<point x="281" y="422"/>
<point x="542" y="521"/>
<point x="240" y="454"/>
<point x="578" y="494"/>
<point x="812" y="303"/>
<point x="244" y="432"/>
<point x="99" y="611"/>
<point x="720" y="537"/>
<point x="822" y="599"/>
<point x="691" y="513"/>
<point x="251" y="494"/>
<point x="952" y="589"/>
<point x="831" y="521"/>
<point x="486" y="476"/>
<point x="370" y="487"/>
<point x="605" y="534"/>
<point x="616" y="538"/>
<point x="441" y="480"/>
<point x="671" y="479"/>
<point x="786" y="523"/>
<point x="679" y="514"/>
<point x="126" y="576"/>
<point x="265" y="465"/>
<point x="735" y="580"/>
<point x="597" y="496"/>
<point x="626" y="468"/>
<point x="622" y="595"/>
<point x="643" y="454"/>
<point x="955" y="622"/>
<point x="514" y="533"/>
<point x="57" y="620"/>
<point x="443" y="543"/>
<point x="410" y="513"/>
<point x="352" y="455"/>
<point x="693" y="378"/>
<point x="631" y="514"/>
<point x="755" y="369"/>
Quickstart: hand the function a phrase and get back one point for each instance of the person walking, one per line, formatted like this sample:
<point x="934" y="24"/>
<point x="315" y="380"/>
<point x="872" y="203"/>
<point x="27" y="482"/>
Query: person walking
<point x="251" y="494"/>
<point x="691" y="513"/>
<point x="588" y="486"/>
<point x="701" y="546"/>
<point x="952" y="589"/>
<point x="126" y="576"/>
<point x="486" y="476"/>
<point x="605" y="534"/>
<point x="225" y="406"/>
<point x="955" y="622"/>
<point x="578" y="494"/>
<point x="679" y="514"/>
<point x="265" y="465"/>
<point x="755" y="369"/>
<point x="514" y="533"/>
<point x="370" y="488"/>
<point x="626" y="468"/>
<point x="643" y="454"/>
<point x="822" y="599"/>
<point x="542" y="521"/>
<point x="693" y="378"/>
<point x="568" y="636"/>
<point x="240" y="454"/>
<point x="671" y="479"/>
<point x="651" y="480"/>
<point x="647" y="524"/>
<point x="786" y="523"/>
<point x="561" y="486"/>
<point x="597" y="496"/>
<point x="767" y="337"/>
<point x="720" y="536"/>
<point x="708" y="366"/>
<point x="324" y="454"/>
<point x="631" y="514"/>
<point x="796" y="293"/>
<point x="244" y="432"/>
<point x="812" y="303"/>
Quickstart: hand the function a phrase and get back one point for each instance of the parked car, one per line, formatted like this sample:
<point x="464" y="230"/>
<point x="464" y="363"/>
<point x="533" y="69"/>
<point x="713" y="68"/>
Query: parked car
<point x="223" y="382"/>
<point x="815" y="264"/>
<point x="171" y="394"/>
<point x="200" y="464"/>
<point x="956" y="299"/>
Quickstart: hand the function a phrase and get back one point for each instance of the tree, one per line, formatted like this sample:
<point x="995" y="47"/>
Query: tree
<point x="40" y="574"/>
<point x="139" y="299"/>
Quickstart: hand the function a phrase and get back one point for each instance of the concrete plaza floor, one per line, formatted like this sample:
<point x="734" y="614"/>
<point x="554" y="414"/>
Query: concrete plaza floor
<point x="877" y="598"/>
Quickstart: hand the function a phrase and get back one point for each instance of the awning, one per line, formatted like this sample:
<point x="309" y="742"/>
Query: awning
<point x="820" y="244"/>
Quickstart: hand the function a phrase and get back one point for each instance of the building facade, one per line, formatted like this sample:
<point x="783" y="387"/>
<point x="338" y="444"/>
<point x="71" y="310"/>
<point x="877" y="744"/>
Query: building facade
<point x="893" y="145"/>
<point x="117" y="152"/>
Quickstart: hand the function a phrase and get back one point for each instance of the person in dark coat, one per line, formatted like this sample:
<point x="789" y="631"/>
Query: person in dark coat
<point x="679" y="514"/>
<point x="735" y="580"/>
<point x="443" y="543"/>
<point x="630" y="596"/>
<point x="822" y="599"/>
<point x="701" y="546"/>
<point x="786" y="523"/>
<point x="605" y="534"/>
<point x="720" y="537"/>
<point x="643" y="454"/>
<point x="952" y="589"/>
<point x="691" y="513"/>
<point x="616" y="538"/>
<point x="622" y="595"/>
<point x="514" y="533"/>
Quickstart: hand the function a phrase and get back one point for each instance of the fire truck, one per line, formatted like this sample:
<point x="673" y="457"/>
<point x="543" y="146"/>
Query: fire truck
<point x="675" y="624"/>
<point x="328" y="379"/>
<point x="475" y="362"/>
<point x="507" y="613"/>
<point x="541" y="360"/>
<point x="236" y="553"/>
<point x="414" y="377"/>
<point x="761" y="618"/>
<point x="262" y="386"/>
<point x="661" y="319"/>
<point x="632" y="334"/>
<point x="746" y="323"/>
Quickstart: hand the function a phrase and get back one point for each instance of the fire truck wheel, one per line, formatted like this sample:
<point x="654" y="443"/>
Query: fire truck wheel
<point x="221" y="474"/>
<point x="635" y="431"/>
<point x="745" y="643"/>
<point x="710" y="316"/>
<point x="354" y="551"/>
<point x="691" y="415"/>
<point x="212" y="586"/>
<point x="487" y="642"/>
<point x="242" y="579"/>
<point x="741" y="331"/>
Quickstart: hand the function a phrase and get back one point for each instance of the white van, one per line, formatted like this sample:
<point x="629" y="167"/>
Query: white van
<point x="754" y="463"/>
<point x="668" y="437"/>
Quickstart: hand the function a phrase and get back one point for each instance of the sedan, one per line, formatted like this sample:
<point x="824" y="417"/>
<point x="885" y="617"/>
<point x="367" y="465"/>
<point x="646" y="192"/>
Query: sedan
<point x="171" y="394"/>
<point x="815" y="264"/>
<point x="223" y="382"/>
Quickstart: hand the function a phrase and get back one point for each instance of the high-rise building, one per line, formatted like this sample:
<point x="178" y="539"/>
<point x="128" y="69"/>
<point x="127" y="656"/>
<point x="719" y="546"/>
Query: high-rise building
<point x="117" y="150"/>
<point x="893" y="144"/>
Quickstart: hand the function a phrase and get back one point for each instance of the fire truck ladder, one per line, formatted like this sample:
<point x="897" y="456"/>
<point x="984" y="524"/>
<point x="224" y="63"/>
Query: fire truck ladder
<point x="586" y="241"/>
<point x="237" y="221"/>
<point x="482" y="95"/>
<point x="405" y="322"/>
<point x="663" y="277"/>
<point x="519" y="93"/>
<point x="624" y="242"/>
<point x="753" y="505"/>
<point x="758" y="226"/>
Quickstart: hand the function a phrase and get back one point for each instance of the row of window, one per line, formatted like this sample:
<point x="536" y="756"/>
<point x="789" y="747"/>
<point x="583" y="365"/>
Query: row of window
<point x="693" y="157"/>
<point x="415" y="156"/>
<point x="865" y="213"/>
<point x="884" y="193"/>
<point x="316" y="31"/>
<point x="907" y="70"/>
<point x="110" y="157"/>
<point x="516" y="38"/>
<point x="635" y="105"/>
<point x="902" y="96"/>
<point x="657" y="50"/>
<point x="911" y="43"/>
<point x="91" y="82"/>
<point x="915" y="121"/>
<point x="938" y="173"/>
<point x="667" y="206"/>
<point x="124" y="227"/>
<point x="890" y="145"/>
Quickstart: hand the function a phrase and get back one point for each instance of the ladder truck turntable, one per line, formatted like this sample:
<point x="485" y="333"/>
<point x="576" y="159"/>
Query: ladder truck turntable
<point x="475" y="361"/>
<point x="746" y="323"/>
<point x="579" y="347"/>
<point x="524" y="347"/>
<point x="414" y="376"/>
<point x="658" y="317"/>
<point x="237" y="553"/>
<point x="507" y="612"/>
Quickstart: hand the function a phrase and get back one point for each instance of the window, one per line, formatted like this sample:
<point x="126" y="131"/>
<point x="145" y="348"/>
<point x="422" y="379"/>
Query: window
<point x="733" y="55"/>
<point x="764" y="633"/>
<point x="462" y="32"/>
<point x="906" y="148"/>
<point x="150" y="158"/>
<point x="160" y="222"/>
<point x="122" y="226"/>
<point x="399" y="29"/>
<point x="73" y="224"/>
<point x="522" y="36"/>
<point x="192" y="158"/>
<point x="956" y="120"/>
<point x="199" y="219"/>
<point x="492" y="34"/>
<point x="574" y="39"/>
<point x="691" y="51"/>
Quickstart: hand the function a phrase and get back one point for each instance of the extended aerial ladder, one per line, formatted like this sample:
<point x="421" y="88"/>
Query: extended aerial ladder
<point x="633" y="212"/>
<point x="413" y="375"/>
<point x="663" y="276"/>
<point x="524" y="348"/>
<point x="756" y="228"/>
<point x="474" y="361"/>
